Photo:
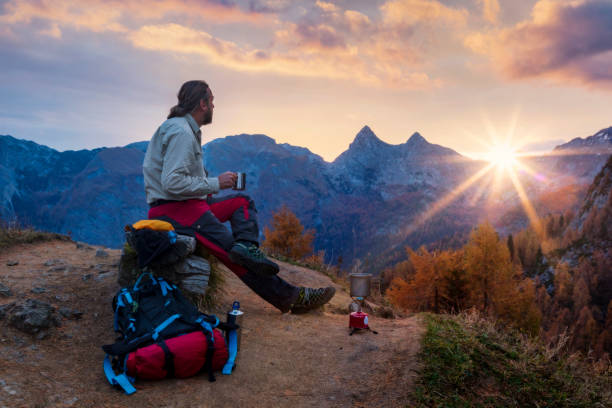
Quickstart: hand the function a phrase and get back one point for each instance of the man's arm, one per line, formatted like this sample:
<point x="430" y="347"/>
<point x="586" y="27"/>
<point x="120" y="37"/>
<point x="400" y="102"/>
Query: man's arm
<point x="181" y="167"/>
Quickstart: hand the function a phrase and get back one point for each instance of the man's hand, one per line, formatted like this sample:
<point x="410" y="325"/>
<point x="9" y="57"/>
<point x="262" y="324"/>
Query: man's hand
<point x="227" y="180"/>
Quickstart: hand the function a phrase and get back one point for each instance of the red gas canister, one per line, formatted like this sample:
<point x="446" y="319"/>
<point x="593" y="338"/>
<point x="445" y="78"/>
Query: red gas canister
<point x="358" y="320"/>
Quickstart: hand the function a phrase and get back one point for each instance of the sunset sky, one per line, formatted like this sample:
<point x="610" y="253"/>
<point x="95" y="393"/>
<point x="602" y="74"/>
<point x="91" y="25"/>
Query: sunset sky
<point x="91" y="73"/>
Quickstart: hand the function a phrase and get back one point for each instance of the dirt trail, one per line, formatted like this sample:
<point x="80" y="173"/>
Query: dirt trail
<point x="286" y="360"/>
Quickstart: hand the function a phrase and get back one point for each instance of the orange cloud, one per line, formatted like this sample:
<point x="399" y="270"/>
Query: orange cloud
<point x="95" y="16"/>
<point x="328" y="41"/>
<point x="565" y="41"/>
<point x="375" y="51"/>
<point x="490" y="10"/>
<point x="326" y="6"/>
<point x="113" y="15"/>
<point x="405" y="13"/>
<point x="344" y="64"/>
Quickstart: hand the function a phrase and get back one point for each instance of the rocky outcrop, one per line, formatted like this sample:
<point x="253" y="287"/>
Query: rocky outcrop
<point x="594" y="219"/>
<point x="33" y="316"/>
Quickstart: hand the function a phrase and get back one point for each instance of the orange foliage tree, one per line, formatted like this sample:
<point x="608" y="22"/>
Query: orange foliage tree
<point x="403" y="269"/>
<point x="488" y="265"/>
<point x="481" y="275"/>
<point x="287" y="236"/>
<point x="496" y="286"/>
<point x="437" y="283"/>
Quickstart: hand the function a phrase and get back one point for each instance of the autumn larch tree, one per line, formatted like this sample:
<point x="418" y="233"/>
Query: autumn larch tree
<point x="287" y="236"/>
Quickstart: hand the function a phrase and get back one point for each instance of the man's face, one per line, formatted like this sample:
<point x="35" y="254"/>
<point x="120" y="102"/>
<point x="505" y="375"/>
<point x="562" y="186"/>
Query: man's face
<point x="208" y="109"/>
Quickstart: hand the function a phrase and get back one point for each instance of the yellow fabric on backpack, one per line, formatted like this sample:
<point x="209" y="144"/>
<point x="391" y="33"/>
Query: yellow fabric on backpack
<point x="155" y="225"/>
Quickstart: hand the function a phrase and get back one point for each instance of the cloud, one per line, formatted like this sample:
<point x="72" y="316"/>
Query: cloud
<point x="94" y="16"/>
<point x="323" y="5"/>
<point x="395" y="47"/>
<point x="311" y="37"/>
<point x="53" y="31"/>
<point x="115" y="15"/>
<point x="268" y="6"/>
<point x="341" y="64"/>
<point x="490" y="10"/>
<point x="180" y="39"/>
<point x="406" y="13"/>
<point x="565" y="41"/>
<point x="392" y="47"/>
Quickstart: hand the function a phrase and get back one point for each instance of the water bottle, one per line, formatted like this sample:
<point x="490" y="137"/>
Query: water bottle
<point x="232" y="337"/>
<point x="236" y="316"/>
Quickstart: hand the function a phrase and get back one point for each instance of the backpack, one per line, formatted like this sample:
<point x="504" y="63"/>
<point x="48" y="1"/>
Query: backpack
<point x="162" y="334"/>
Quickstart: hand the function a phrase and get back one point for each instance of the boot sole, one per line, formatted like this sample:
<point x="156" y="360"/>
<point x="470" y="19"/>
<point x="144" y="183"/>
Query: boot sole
<point x="306" y="309"/>
<point x="248" y="263"/>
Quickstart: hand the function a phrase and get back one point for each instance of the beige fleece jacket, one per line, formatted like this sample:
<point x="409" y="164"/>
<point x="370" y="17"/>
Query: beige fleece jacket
<point x="173" y="168"/>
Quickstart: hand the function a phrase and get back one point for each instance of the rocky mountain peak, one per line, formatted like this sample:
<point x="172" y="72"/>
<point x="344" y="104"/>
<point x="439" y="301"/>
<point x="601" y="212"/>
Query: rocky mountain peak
<point x="366" y="138"/>
<point x="601" y="140"/>
<point x="416" y="138"/>
<point x="604" y="134"/>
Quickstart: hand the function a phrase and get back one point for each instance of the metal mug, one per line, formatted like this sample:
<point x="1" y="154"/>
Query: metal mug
<point x="240" y="181"/>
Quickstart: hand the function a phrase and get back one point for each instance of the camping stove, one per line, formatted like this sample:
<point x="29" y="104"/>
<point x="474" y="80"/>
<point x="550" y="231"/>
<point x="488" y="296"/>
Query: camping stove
<point x="360" y="288"/>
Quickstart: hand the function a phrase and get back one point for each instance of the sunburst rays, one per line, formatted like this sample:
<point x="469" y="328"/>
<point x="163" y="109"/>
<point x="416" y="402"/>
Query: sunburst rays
<point x="505" y="160"/>
<point x="446" y="200"/>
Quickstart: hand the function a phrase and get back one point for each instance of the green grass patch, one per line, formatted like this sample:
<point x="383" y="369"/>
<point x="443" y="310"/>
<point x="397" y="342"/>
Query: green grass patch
<point x="469" y="362"/>
<point x="10" y="236"/>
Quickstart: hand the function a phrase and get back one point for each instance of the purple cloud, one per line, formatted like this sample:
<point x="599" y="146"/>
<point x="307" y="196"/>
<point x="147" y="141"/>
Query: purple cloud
<point x="567" y="42"/>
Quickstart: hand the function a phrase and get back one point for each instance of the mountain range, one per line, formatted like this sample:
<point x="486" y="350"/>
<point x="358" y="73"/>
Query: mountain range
<point x="367" y="204"/>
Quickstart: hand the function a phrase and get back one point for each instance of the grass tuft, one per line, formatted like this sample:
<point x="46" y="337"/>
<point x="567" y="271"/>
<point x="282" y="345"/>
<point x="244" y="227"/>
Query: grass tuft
<point x="11" y="235"/>
<point x="469" y="362"/>
<point x="129" y="272"/>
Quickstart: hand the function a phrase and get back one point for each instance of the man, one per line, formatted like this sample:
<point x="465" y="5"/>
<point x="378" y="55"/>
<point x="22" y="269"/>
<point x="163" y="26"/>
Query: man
<point x="179" y="190"/>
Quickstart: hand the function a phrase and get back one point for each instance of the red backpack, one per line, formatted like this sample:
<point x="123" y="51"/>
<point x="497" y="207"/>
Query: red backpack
<point x="163" y="335"/>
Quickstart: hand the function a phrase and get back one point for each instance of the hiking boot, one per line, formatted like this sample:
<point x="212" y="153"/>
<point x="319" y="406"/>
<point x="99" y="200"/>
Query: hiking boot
<point x="310" y="298"/>
<point x="251" y="257"/>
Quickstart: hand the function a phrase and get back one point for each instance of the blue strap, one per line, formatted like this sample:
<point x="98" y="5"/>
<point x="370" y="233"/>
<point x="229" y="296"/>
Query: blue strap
<point x="120" y="302"/>
<point x="207" y="326"/>
<point x="140" y="278"/>
<point x="172" y="236"/>
<point x="163" y="325"/>
<point x="121" y="380"/>
<point x="116" y="318"/>
<point x="233" y="350"/>
<point x="202" y="317"/>
<point x="165" y="287"/>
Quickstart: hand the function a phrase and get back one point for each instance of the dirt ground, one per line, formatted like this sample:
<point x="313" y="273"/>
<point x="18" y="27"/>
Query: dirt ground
<point x="285" y="361"/>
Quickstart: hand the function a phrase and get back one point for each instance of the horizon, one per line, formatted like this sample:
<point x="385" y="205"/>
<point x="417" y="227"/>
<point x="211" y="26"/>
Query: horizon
<point x="473" y="156"/>
<point x="467" y="74"/>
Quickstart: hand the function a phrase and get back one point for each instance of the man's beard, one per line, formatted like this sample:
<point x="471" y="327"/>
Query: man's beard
<point x="208" y="117"/>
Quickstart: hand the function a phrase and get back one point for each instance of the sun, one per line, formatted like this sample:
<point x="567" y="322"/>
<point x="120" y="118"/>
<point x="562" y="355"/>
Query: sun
<point x="502" y="156"/>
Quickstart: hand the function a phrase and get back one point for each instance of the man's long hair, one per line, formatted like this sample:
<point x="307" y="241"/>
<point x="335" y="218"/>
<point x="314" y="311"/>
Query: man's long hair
<point x="189" y="97"/>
